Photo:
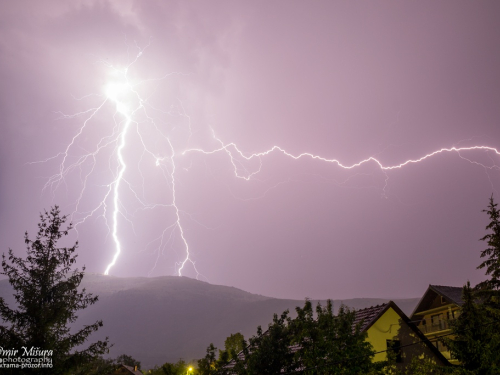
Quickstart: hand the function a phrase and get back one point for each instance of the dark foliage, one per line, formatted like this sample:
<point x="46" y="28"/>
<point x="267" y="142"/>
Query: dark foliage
<point x="492" y="252"/>
<point x="330" y="344"/>
<point x="233" y="345"/>
<point x="207" y="365"/>
<point x="321" y="344"/>
<point x="179" y="368"/>
<point x="471" y="332"/>
<point x="269" y="352"/>
<point x="476" y="332"/>
<point x="98" y="366"/>
<point x="47" y="296"/>
<point x="125" y="359"/>
<point x="101" y="366"/>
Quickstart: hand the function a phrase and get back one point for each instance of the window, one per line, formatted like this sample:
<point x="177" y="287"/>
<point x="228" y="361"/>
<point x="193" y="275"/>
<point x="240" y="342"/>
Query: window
<point x="394" y="347"/>
<point x="435" y="319"/>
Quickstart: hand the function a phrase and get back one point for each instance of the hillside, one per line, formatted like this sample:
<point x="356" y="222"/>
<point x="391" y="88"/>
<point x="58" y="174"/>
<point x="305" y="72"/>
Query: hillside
<point x="162" y="319"/>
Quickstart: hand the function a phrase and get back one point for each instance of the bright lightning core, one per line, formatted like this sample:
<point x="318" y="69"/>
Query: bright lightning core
<point x="113" y="92"/>
<point x="122" y="145"/>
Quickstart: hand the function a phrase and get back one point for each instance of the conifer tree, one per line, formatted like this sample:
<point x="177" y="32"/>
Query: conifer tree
<point x="471" y="332"/>
<point x="492" y="252"/>
<point x="476" y="332"/>
<point x="47" y="298"/>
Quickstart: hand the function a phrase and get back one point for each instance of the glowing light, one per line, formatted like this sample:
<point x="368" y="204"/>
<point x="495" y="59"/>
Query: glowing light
<point x="114" y="90"/>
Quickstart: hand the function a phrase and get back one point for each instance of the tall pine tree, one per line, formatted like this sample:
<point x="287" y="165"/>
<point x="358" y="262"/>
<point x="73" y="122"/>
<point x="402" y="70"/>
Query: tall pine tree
<point x="476" y="332"/>
<point x="47" y="296"/>
<point x="472" y="333"/>
<point x="492" y="252"/>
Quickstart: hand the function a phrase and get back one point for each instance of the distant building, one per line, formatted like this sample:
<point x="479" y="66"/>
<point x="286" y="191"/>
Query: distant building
<point x="389" y="329"/>
<point x="438" y="306"/>
<point x="126" y="370"/>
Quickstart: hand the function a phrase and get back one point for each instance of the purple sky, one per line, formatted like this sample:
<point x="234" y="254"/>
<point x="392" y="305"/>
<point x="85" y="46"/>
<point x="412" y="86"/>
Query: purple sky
<point x="342" y="80"/>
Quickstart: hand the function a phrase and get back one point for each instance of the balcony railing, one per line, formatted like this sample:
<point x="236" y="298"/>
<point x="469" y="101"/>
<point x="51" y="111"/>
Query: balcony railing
<point x="439" y="326"/>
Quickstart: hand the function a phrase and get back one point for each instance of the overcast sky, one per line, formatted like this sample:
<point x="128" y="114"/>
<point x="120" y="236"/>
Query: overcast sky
<point x="341" y="80"/>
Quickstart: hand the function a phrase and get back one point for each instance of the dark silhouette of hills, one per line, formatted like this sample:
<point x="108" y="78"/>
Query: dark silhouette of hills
<point x="162" y="319"/>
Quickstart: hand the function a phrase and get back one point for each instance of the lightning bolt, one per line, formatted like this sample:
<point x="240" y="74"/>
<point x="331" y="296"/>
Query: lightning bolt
<point x="234" y="152"/>
<point x="134" y="127"/>
<point x="116" y="185"/>
<point x="131" y="112"/>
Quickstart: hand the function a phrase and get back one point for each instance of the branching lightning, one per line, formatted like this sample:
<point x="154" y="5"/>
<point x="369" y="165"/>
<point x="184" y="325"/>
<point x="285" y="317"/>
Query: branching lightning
<point x="135" y="128"/>
<point x="231" y="148"/>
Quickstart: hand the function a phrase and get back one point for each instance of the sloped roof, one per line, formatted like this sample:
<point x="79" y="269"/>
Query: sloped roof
<point x="452" y="293"/>
<point x="372" y="314"/>
<point x="369" y="315"/>
<point x="131" y="370"/>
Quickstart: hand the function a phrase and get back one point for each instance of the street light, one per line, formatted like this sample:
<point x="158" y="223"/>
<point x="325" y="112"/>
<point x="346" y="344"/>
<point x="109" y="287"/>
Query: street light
<point x="190" y="370"/>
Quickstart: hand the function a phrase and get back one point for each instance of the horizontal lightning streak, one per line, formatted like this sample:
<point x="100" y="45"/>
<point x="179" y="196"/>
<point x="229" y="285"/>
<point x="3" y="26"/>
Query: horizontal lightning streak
<point x="227" y="149"/>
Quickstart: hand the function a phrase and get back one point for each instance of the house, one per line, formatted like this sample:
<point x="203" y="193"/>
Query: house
<point x="126" y="370"/>
<point x="438" y="306"/>
<point x="389" y="329"/>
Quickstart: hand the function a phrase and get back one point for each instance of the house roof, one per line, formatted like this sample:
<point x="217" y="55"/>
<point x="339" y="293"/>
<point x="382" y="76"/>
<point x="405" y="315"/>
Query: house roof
<point x="370" y="315"/>
<point x="451" y="294"/>
<point x="131" y="370"/>
<point x="366" y="317"/>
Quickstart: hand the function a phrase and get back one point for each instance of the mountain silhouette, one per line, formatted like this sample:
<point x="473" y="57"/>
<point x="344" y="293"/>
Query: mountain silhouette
<point x="163" y="319"/>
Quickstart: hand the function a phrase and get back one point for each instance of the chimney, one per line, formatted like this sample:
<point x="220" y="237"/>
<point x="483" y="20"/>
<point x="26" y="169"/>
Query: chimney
<point x="135" y="368"/>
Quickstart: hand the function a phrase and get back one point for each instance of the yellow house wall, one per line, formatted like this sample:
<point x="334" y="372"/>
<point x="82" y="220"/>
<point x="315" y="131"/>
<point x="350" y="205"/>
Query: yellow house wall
<point x="432" y="335"/>
<point x="390" y="327"/>
<point x="385" y="328"/>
